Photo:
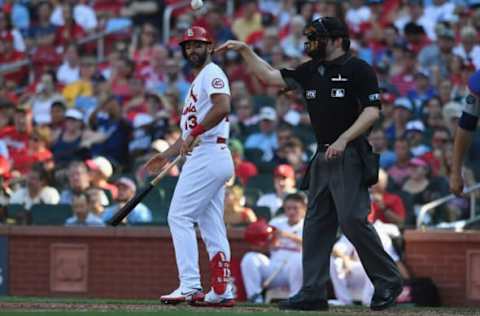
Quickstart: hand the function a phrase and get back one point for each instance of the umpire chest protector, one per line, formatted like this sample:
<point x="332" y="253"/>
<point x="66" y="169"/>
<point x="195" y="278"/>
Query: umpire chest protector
<point x="335" y="93"/>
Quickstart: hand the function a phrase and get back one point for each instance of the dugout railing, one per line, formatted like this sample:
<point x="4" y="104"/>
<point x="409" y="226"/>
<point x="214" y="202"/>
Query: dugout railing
<point x="431" y="206"/>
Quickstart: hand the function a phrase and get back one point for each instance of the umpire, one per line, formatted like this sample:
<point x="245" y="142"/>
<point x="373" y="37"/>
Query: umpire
<point x="342" y="96"/>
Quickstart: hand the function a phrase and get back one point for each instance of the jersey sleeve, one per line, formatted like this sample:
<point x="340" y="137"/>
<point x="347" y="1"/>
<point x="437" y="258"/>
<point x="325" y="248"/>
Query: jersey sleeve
<point x="471" y="113"/>
<point x="294" y="78"/>
<point x="366" y="85"/>
<point x="216" y="82"/>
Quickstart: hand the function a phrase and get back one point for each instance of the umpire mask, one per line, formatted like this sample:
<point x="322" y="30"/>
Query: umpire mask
<point x="320" y="31"/>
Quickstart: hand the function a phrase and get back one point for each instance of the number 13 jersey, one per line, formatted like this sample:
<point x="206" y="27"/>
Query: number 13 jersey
<point x="210" y="80"/>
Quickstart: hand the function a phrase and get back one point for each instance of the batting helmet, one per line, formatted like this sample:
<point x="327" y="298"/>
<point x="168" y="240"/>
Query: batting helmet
<point x="259" y="233"/>
<point x="196" y="33"/>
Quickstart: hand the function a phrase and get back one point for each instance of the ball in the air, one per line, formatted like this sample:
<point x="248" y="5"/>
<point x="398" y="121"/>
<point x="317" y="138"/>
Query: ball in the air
<point x="196" y="4"/>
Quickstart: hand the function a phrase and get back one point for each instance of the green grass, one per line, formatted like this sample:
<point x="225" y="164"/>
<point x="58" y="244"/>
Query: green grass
<point x="106" y="307"/>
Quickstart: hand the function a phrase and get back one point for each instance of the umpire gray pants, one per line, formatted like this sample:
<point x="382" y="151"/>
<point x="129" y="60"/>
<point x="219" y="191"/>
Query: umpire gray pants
<point x="338" y="196"/>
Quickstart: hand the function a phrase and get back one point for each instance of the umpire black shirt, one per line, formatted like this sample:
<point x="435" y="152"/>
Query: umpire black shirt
<point x="335" y="92"/>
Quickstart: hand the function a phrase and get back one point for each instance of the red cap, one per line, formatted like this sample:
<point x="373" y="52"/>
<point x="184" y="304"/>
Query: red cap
<point x="284" y="171"/>
<point x="196" y="33"/>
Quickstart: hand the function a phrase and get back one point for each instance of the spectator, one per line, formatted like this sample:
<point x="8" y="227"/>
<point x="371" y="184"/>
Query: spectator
<point x="78" y="182"/>
<point x="249" y="22"/>
<point x="44" y="97"/>
<point x="142" y="46"/>
<point x="379" y="144"/>
<point x="244" y="169"/>
<point x="422" y="92"/>
<point x="285" y="253"/>
<point x="81" y="213"/>
<point x="100" y="170"/>
<point x="404" y="81"/>
<point x="126" y="191"/>
<point x="437" y="56"/>
<point x="266" y="139"/>
<point x="16" y="137"/>
<point x="124" y="71"/>
<point x="107" y="120"/>
<point x="36" y="152"/>
<point x="7" y="29"/>
<point x="451" y="114"/>
<point x="400" y="171"/>
<point x="414" y="131"/>
<point x="415" y="14"/>
<point x="217" y="26"/>
<point x="283" y="183"/>
<point x="83" y="87"/>
<point x="243" y="120"/>
<point x="69" y="31"/>
<point x="235" y="211"/>
<point x="57" y="122"/>
<point x="154" y="73"/>
<point x="402" y="113"/>
<point x="8" y="55"/>
<point x="386" y="207"/>
<point x="142" y="135"/>
<point x="66" y="147"/>
<point x="469" y="48"/>
<point x="37" y="189"/>
<point x="94" y="198"/>
<point x="424" y="188"/>
<point x="69" y="71"/>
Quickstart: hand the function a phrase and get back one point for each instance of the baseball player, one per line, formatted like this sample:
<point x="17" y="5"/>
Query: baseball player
<point x="463" y="137"/>
<point x="200" y="191"/>
<point x="285" y="253"/>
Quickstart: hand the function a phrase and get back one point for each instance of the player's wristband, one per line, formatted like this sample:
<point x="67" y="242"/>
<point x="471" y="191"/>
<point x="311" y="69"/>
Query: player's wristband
<point x="198" y="130"/>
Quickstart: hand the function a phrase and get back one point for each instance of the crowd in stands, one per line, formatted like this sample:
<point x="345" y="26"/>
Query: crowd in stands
<point x="90" y="90"/>
<point x="76" y="126"/>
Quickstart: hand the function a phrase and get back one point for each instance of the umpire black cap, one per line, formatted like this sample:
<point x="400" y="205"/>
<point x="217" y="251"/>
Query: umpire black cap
<point x="327" y="27"/>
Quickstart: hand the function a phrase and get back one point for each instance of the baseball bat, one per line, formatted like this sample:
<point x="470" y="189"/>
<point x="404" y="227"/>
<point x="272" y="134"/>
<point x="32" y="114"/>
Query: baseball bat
<point x="130" y="205"/>
<point x="272" y="276"/>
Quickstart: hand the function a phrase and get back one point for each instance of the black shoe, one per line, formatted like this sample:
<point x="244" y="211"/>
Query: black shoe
<point x="385" y="298"/>
<point x="300" y="302"/>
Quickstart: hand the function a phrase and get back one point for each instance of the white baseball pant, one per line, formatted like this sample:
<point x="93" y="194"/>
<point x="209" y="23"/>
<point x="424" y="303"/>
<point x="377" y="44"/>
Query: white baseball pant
<point x="256" y="268"/>
<point x="354" y="285"/>
<point x="199" y="198"/>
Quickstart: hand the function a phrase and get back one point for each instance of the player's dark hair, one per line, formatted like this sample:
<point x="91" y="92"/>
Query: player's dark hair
<point x="296" y="197"/>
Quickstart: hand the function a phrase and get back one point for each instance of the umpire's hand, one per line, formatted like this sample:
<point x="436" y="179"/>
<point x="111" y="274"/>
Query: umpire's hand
<point x="336" y="149"/>
<point x="231" y="44"/>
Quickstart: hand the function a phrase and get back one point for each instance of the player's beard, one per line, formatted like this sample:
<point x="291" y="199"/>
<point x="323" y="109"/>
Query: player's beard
<point x="317" y="49"/>
<point x="198" y="60"/>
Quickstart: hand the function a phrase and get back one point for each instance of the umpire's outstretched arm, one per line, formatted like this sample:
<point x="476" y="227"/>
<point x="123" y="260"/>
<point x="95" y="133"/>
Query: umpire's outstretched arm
<point x="266" y="73"/>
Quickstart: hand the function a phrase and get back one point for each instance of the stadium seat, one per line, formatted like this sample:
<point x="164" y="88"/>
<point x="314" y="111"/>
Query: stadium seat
<point x="50" y="214"/>
<point x="16" y="214"/>
<point x="263" y="212"/>
<point x="263" y="182"/>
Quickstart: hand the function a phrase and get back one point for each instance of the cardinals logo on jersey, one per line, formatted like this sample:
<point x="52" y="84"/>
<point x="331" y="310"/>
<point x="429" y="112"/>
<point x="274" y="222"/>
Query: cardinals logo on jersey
<point x="218" y="83"/>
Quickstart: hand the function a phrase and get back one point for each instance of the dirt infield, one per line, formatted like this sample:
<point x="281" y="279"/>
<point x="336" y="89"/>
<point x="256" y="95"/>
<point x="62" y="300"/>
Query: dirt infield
<point x="238" y="310"/>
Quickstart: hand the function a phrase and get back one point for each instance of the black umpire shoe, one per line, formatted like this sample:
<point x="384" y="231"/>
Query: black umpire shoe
<point x="385" y="298"/>
<point x="300" y="302"/>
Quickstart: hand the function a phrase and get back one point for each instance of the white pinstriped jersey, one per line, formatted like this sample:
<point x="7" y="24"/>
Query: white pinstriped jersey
<point x="210" y="80"/>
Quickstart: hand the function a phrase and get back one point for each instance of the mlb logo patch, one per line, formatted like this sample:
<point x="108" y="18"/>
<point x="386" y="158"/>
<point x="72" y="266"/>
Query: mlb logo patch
<point x="338" y="93"/>
<point x="310" y="94"/>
